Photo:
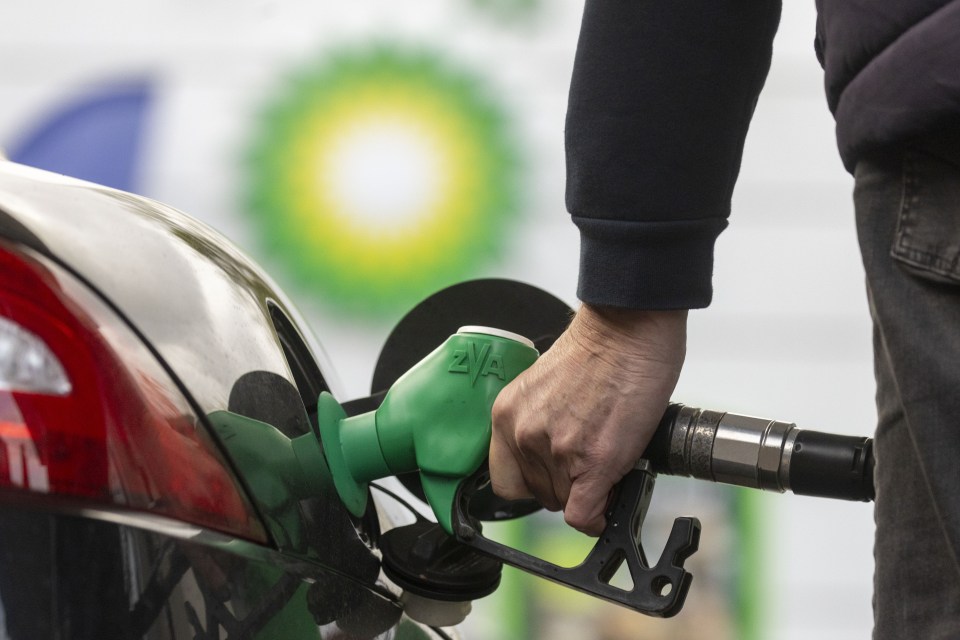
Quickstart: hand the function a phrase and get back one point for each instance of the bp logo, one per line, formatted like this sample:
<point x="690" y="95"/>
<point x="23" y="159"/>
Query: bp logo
<point x="381" y="176"/>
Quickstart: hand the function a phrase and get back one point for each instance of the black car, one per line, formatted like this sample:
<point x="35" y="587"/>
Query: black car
<point x="126" y="327"/>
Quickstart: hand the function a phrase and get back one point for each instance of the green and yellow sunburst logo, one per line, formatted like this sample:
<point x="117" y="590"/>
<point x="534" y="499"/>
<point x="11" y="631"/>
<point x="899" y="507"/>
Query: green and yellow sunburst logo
<point x="382" y="176"/>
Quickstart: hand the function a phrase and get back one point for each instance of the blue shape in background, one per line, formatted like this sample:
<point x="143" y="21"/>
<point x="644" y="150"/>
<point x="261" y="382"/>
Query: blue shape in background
<point x="97" y="136"/>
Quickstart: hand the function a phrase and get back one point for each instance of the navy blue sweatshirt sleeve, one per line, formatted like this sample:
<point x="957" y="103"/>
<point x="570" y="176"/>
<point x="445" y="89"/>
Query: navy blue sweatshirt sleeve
<point x="660" y="101"/>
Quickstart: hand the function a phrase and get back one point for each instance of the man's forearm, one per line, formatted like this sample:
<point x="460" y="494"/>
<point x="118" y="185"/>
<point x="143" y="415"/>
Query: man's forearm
<point x="660" y="102"/>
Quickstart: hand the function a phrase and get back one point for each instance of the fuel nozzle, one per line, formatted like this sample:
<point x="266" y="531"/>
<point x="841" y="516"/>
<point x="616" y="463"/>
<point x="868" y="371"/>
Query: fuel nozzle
<point x="435" y="419"/>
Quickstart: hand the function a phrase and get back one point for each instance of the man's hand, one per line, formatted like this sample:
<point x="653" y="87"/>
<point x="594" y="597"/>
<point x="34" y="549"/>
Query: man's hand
<point x="572" y="425"/>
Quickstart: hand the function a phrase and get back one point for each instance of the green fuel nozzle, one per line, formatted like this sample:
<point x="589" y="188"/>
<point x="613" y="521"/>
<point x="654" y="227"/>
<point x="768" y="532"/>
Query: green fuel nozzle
<point x="435" y="419"/>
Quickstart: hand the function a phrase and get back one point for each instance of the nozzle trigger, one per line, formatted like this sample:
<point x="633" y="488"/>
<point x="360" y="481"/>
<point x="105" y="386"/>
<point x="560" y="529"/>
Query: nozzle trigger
<point x="658" y="591"/>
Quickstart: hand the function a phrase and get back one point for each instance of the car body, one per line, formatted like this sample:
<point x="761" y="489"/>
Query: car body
<point x="123" y="513"/>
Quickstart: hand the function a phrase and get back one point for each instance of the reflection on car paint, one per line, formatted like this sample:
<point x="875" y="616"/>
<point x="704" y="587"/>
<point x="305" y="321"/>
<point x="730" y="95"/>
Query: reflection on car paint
<point x="108" y="580"/>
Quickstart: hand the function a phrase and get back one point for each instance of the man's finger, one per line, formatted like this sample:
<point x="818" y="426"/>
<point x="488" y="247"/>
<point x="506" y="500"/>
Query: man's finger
<point x="539" y="480"/>
<point x="587" y="504"/>
<point x="506" y="477"/>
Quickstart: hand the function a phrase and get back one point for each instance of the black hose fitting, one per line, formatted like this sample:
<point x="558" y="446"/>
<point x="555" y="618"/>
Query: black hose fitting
<point x="763" y="454"/>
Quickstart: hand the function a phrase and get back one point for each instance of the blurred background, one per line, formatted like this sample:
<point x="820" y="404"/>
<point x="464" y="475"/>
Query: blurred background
<point x="369" y="153"/>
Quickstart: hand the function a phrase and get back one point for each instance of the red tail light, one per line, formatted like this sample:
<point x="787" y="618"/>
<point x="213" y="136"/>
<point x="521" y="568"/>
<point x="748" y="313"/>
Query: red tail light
<point x="86" y="411"/>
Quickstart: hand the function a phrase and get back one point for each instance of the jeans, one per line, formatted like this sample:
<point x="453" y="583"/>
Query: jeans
<point x="908" y="224"/>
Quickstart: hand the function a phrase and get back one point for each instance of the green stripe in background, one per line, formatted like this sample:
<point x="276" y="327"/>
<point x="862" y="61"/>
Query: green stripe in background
<point x="750" y="603"/>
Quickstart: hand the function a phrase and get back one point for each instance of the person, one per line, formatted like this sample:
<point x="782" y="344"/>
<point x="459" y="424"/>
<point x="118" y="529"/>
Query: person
<point x="660" y="101"/>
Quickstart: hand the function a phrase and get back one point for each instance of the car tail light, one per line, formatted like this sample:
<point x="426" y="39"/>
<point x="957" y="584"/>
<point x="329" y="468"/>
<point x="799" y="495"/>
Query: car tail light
<point x="87" y="412"/>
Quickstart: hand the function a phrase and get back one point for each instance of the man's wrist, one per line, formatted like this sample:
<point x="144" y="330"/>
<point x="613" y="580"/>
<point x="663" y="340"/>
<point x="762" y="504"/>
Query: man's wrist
<point x="630" y="322"/>
<point x="654" y="334"/>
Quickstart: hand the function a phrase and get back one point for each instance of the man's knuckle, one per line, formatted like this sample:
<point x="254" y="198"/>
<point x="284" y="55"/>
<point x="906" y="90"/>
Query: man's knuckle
<point x="502" y="410"/>
<point x="528" y="440"/>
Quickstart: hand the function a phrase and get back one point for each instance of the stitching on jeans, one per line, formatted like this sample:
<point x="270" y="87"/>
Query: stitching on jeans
<point x="908" y="197"/>
<point x="901" y="249"/>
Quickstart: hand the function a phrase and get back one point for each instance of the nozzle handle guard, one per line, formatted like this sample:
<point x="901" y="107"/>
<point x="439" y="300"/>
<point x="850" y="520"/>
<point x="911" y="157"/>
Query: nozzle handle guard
<point x="658" y="590"/>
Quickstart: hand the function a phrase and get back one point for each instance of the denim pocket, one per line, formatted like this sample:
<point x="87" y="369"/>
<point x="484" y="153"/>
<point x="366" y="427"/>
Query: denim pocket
<point x="927" y="241"/>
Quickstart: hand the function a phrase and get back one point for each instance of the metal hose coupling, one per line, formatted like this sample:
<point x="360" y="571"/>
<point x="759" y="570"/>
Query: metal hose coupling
<point x="762" y="454"/>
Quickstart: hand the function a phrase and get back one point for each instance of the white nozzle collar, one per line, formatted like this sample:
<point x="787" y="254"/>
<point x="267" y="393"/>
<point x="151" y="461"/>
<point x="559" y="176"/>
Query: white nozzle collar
<point x="500" y="333"/>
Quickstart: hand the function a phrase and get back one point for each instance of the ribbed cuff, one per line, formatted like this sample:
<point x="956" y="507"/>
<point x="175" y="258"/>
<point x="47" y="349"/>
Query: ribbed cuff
<point x="647" y="265"/>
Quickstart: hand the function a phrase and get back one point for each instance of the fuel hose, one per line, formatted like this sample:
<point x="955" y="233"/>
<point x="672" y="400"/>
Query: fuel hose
<point x="762" y="454"/>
